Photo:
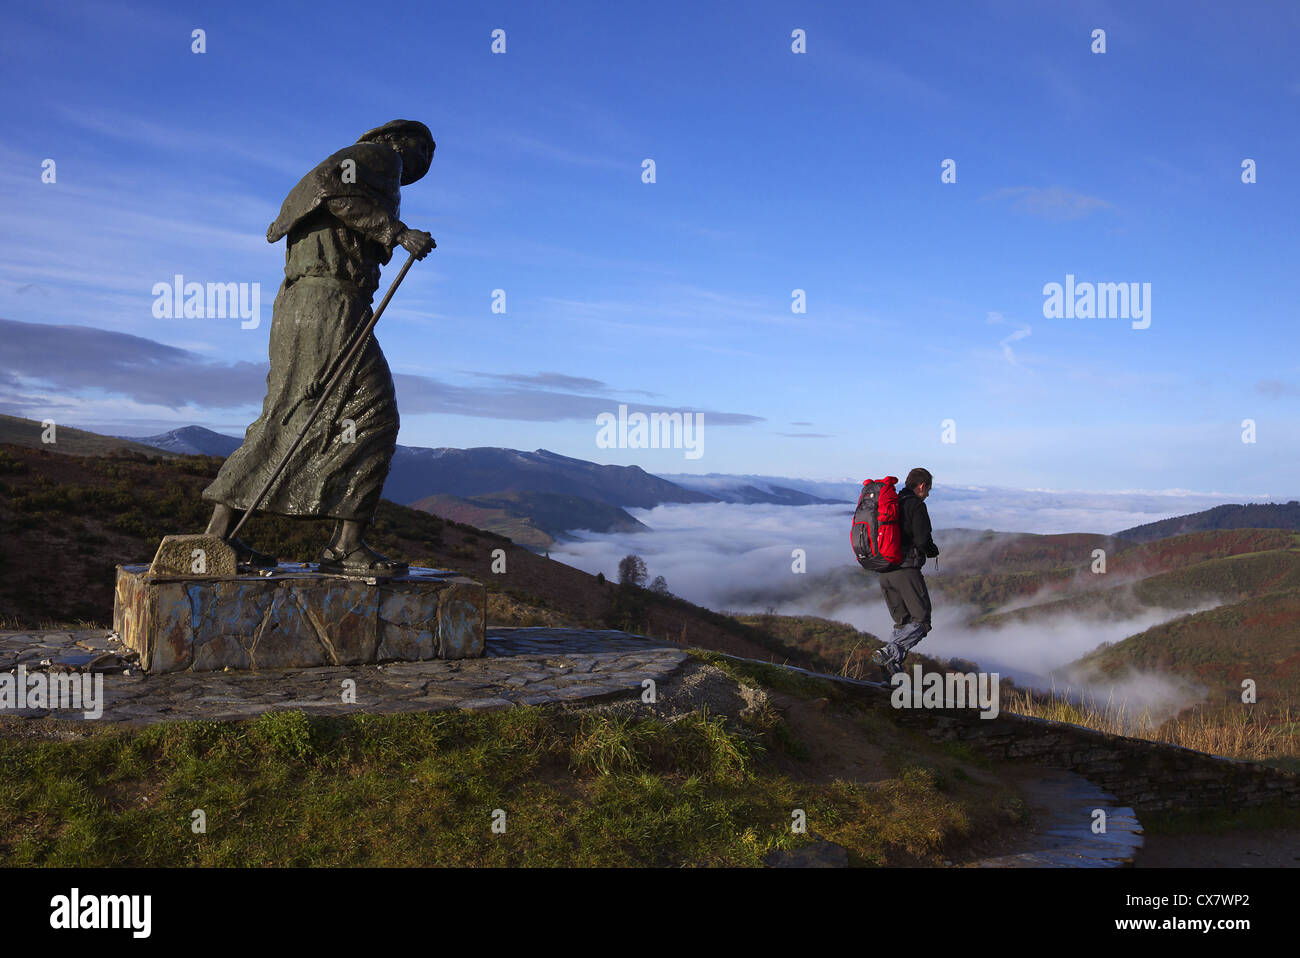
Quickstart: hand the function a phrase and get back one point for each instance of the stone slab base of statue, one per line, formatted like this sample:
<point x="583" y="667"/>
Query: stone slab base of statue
<point x="296" y="617"/>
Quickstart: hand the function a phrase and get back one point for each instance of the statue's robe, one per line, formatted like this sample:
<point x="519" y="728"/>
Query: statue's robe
<point x="342" y="222"/>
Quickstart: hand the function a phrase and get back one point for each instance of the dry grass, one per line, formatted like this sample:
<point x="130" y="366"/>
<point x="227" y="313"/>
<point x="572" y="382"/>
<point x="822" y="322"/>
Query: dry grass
<point x="1236" y="733"/>
<point x="1250" y="733"/>
<point x="9" y="623"/>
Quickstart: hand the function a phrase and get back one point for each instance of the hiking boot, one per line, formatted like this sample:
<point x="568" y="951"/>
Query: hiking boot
<point x="886" y="658"/>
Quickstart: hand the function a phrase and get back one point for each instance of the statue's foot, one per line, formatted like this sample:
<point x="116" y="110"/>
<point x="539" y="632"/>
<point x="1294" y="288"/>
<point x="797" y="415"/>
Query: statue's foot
<point x="247" y="555"/>
<point x="360" y="560"/>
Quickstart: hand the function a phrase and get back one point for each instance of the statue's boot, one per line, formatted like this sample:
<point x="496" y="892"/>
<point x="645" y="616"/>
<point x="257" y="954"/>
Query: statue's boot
<point x="360" y="560"/>
<point x="247" y="555"/>
<point x="223" y="521"/>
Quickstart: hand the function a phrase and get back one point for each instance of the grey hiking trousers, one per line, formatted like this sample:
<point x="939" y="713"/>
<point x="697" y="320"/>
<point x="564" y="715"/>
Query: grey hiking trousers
<point x="909" y="605"/>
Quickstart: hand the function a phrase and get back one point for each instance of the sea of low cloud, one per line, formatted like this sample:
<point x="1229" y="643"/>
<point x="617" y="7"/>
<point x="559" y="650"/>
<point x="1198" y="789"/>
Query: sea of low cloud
<point x="711" y="553"/>
<point x="742" y="558"/>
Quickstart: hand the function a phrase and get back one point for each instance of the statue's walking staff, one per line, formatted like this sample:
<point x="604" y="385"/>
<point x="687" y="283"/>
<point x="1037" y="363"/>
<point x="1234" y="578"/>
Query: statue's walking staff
<point x="353" y="351"/>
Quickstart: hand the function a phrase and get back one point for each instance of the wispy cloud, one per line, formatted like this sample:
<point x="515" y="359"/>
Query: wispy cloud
<point x="44" y="364"/>
<point x="170" y="137"/>
<point x="97" y="243"/>
<point x="1276" y="389"/>
<point x="1019" y="333"/>
<point x="82" y="360"/>
<point x="549" y="380"/>
<point x="880" y="80"/>
<point x="693" y="312"/>
<point x="514" y="143"/>
<point x="1049" y="202"/>
<point x="424" y="394"/>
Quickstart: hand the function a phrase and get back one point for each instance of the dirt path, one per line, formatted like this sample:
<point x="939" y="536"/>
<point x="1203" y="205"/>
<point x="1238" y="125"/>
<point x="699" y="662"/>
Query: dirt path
<point x="835" y="748"/>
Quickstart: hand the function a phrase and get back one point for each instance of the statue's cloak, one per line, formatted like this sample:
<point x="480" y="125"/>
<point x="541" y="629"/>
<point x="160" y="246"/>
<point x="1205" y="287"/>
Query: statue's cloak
<point x="366" y="171"/>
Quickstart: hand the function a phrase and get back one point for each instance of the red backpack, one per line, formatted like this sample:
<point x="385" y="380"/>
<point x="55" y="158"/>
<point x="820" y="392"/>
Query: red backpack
<point x="877" y="535"/>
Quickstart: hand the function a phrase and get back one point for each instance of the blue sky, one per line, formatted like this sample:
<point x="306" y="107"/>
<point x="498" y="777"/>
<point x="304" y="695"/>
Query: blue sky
<point x="775" y="171"/>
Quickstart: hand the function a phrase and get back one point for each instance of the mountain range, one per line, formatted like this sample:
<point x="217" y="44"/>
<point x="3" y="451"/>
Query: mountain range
<point x="534" y="497"/>
<point x="420" y="471"/>
<point x="588" y="490"/>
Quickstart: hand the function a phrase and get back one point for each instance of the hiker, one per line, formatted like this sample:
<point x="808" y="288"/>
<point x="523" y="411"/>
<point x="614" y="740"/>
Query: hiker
<point x="904" y="587"/>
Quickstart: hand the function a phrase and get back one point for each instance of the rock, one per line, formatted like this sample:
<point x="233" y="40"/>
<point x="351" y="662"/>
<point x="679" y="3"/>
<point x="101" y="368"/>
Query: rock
<point x="756" y="700"/>
<point x="198" y="557"/>
<point x="79" y="661"/>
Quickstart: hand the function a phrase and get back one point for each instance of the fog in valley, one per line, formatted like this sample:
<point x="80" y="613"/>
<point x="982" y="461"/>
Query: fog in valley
<point x="747" y="558"/>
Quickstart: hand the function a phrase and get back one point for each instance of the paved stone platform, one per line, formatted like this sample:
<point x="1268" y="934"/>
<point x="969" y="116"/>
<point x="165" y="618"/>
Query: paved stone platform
<point x="531" y="666"/>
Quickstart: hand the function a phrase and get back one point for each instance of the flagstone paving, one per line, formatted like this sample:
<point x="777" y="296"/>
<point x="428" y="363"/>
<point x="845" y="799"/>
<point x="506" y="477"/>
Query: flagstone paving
<point x="530" y="666"/>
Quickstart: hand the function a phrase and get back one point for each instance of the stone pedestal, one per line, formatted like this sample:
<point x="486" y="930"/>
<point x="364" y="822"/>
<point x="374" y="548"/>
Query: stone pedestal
<point x="296" y="618"/>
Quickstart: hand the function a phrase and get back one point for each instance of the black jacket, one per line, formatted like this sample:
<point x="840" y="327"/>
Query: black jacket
<point x="918" y="541"/>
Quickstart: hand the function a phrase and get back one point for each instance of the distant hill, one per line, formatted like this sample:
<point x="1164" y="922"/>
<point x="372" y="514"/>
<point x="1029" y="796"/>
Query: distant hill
<point x="1254" y="638"/>
<point x="418" y="472"/>
<point x="1227" y="578"/>
<point x="532" y="519"/>
<point x="69" y="441"/>
<point x="521" y="529"/>
<point x="192" y="441"/>
<point x="1263" y="515"/>
<point x="1048" y="575"/>
<point x="763" y="489"/>
<point x="971" y="552"/>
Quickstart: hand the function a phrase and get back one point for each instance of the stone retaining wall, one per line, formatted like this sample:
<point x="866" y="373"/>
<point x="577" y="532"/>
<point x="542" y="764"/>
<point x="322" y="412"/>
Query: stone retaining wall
<point x="1149" y="776"/>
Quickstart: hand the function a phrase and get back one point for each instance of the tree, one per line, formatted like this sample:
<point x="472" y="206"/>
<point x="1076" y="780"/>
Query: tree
<point x="632" y="571"/>
<point x="659" y="586"/>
